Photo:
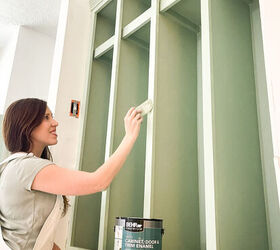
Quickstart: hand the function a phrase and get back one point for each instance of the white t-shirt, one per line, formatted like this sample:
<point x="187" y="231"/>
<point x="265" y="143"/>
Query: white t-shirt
<point x="23" y="211"/>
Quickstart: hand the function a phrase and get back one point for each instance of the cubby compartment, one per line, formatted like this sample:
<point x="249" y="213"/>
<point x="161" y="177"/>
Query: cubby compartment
<point x="105" y="24"/>
<point x="85" y="229"/>
<point x="141" y="38"/>
<point x="239" y="188"/>
<point x="133" y="9"/>
<point x="127" y="190"/>
<point x="175" y="193"/>
<point x="185" y="12"/>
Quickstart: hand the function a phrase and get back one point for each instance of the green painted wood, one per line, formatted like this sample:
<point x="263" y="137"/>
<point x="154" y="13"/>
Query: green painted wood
<point x="105" y="24"/>
<point x="175" y="194"/>
<point x="87" y="209"/>
<point x="133" y="9"/>
<point x="189" y="9"/>
<point x="201" y="149"/>
<point x="127" y="189"/>
<point x="240" y="205"/>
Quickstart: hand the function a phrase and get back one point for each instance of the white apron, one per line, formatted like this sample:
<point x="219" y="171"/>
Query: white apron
<point x="46" y="236"/>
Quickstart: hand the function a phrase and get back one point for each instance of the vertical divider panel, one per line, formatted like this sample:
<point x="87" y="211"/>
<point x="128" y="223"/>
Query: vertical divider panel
<point x="110" y="127"/>
<point x="148" y="206"/>
<point x="207" y="130"/>
<point x="201" y="177"/>
<point x="83" y="118"/>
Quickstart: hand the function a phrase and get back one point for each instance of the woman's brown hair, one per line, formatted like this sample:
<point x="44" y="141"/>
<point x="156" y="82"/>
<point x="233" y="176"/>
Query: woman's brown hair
<point x="20" y="119"/>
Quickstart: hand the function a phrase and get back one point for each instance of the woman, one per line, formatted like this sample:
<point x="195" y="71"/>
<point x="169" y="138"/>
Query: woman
<point x="31" y="185"/>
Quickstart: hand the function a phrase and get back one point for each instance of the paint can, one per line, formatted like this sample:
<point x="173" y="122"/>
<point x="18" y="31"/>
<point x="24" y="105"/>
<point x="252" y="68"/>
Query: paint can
<point x="133" y="233"/>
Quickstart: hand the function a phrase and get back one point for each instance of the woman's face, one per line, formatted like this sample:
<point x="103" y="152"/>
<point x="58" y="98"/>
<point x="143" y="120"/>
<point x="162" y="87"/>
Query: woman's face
<point x="45" y="134"/>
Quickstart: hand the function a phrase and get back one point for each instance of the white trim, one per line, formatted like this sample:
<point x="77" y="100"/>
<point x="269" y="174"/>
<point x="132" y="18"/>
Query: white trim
<point x="148" y="205"/>
<point x="208" y="151"/>
<point x="200" y="155"/>
<point x="58" y="54"/>
<point x="102" y="241"/>
<point x="104" y="47"/>
<point x="167" y="4"/>
<point x="137" y="23"/>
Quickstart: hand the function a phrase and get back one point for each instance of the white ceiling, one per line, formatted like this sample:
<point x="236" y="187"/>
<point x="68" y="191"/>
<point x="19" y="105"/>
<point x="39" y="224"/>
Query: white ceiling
<point x="40" y="15"/>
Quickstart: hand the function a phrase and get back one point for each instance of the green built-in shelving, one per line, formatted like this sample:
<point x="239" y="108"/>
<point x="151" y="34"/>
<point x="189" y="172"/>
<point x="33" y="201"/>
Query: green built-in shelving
<point x="199" y="163"/>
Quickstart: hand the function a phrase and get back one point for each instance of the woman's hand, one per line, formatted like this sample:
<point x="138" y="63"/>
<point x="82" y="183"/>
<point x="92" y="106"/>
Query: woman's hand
<point x="132" y="123"/>
<point x="56" y="180"/>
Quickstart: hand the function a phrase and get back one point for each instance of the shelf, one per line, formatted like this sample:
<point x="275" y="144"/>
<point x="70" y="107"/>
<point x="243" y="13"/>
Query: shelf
<point x="103" y="48"/>
<point x="133" y="9"/>
<point x="137" y="24"/>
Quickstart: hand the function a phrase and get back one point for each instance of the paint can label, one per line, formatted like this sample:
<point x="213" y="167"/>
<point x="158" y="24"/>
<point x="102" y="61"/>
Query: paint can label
<point x="134" y="233"/>
<point x="147" y="238"/>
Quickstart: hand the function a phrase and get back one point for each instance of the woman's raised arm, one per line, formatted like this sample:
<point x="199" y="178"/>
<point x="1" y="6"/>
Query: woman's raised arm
<point x="58" y="180"/>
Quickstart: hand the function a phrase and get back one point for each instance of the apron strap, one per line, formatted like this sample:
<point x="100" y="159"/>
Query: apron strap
<point x="12" y="157"/>
<point x="45" y="238"/>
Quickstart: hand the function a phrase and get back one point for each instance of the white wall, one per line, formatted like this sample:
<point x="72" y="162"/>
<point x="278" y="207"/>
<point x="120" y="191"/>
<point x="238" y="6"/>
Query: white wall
<point x="31" y="70"/>
<point x="25" y="67"/>
<point x="8" y="42"/>
<point x="72" y="81"/>
<point x="269" y="96"/>
<point x="270" y="22"/>
<point x="269" y="10"/>
<point x="72" y="77"/>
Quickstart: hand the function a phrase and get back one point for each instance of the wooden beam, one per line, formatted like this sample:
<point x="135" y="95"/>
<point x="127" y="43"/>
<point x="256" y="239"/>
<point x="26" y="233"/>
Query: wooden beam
<point x="104" y="47"/>
<point x="137" y="23"/>
<point x="167" y="4"/>
<point x="152" y="90"/>
<point x="207" y="127"/>
<point x="103" y="227"/>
